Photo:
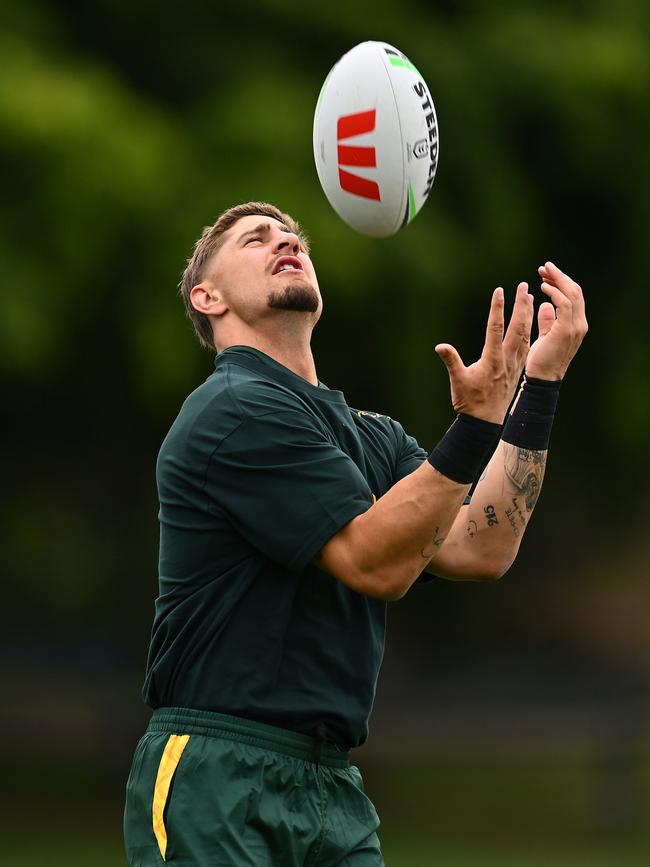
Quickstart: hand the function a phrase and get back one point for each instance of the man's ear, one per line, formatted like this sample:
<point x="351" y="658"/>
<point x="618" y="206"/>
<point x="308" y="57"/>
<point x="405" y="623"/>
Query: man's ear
<point x="206" y="299"/>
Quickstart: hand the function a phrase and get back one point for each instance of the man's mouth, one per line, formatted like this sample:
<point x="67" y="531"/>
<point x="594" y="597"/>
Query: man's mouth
<point x="288" y="264"/>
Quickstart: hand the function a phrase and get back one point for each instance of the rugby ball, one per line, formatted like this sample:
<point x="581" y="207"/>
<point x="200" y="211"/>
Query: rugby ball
<point x="375" y="139"/>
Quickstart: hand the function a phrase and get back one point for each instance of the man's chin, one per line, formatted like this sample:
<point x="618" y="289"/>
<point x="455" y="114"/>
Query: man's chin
<point x="295" y="296"/>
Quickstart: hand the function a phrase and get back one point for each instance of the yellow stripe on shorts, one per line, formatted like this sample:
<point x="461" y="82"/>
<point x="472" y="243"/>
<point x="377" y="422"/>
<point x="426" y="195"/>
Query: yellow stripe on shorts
<point x="166" y="769"/>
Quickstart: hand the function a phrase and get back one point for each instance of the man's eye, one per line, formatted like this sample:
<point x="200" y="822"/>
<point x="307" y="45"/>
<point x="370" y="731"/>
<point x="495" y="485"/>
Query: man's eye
<point x="250" y="240"/>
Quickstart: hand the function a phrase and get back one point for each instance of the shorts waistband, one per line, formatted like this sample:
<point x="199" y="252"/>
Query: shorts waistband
<point x="183" y="720"/>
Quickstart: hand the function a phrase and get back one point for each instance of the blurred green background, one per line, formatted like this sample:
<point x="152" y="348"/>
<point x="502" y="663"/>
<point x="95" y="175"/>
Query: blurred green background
<point x="511" y="724"/>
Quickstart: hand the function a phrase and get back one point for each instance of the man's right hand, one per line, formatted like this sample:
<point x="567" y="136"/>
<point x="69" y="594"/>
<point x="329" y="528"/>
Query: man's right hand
<point x="486" y="388"/>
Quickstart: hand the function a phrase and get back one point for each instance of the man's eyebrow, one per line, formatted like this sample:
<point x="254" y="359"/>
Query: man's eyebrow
<point x="262" y="229"/>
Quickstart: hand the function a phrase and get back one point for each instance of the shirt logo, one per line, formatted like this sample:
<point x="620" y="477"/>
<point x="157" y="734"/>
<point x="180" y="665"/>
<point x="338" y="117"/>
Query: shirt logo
<point x="362" y="412"/>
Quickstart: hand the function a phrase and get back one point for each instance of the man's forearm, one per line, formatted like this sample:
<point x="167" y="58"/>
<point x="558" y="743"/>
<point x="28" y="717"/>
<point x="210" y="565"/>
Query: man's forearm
<point x="504" y="501"/>
<point x="381" y="552"/>
<point x="524" y="469"/>
<point x="485" y="538"/>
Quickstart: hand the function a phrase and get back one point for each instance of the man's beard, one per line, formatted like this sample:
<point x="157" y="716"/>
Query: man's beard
<point x="295" y="296"/>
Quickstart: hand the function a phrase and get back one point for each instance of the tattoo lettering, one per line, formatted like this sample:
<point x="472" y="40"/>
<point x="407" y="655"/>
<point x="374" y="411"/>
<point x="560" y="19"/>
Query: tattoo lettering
<point x="472" y="528"/>
<point x="515" y="528"/>
<point x="525" y="470"/>
<point x="515" y="514"/>
<point x="491" y="516"/>
<point x="533" y="457"/>
<point x="517" y="509"/>
<point x="436" y="542"/>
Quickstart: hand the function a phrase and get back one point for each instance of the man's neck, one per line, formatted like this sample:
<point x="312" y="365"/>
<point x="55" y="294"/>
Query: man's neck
<point x="296" y="357"/>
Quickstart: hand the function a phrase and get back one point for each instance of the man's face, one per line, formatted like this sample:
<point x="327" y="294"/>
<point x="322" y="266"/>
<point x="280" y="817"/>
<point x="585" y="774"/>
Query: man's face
<point x="261" y="267"/>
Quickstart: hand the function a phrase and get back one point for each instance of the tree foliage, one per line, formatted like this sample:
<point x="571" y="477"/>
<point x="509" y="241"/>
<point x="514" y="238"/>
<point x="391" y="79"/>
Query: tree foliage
<point x="125" y="128"/>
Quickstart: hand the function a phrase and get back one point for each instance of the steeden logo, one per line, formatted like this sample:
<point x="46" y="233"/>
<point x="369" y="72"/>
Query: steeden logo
<point x="350" y="126"/>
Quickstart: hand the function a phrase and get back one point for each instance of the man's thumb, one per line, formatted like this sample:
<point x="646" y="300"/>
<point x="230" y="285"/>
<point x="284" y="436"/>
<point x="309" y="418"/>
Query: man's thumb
<point x="450" y="358"/>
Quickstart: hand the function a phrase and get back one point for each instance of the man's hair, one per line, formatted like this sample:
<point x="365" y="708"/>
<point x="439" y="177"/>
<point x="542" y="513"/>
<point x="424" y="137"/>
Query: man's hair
<point x="210" y="241"/>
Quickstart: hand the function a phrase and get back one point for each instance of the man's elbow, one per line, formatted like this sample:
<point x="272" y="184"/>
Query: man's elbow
<point x="491" y="570"/>
<point x="387" y="585"/>
<point x="393" y="593"/>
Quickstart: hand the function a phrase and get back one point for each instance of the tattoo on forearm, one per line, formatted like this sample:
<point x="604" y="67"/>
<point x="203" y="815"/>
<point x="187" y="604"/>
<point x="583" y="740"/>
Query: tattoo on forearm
<point x="515" y="516"/>
<point x="490" y="515"/>
<point x="436" y="542"/>
<point x="525" y="470"/>
<point x="472" y="528"/>
<point x="510" y="515"/>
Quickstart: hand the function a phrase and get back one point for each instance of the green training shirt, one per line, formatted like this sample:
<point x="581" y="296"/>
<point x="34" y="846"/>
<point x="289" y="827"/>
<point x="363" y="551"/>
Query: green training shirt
<point x="259" y="470"/>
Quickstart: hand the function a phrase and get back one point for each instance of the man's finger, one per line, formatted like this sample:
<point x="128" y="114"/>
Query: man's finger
<point x="450" y="358"/>
<point x="555" y="277"/>
<point x="494" y="330"/>
<point x="545" y="318"/>
<point x="564" y="305"/>
<point x="551" y="274"/>
<point x="517" y="336"/>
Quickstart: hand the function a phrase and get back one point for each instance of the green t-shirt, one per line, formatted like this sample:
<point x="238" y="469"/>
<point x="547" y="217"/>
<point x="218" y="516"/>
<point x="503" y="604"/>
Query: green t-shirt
<point x="259" y="470"/>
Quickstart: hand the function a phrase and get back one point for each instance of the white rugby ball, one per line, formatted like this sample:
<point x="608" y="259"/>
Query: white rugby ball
<point x="375" y="139"/>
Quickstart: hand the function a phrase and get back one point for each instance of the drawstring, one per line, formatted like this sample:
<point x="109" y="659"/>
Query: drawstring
<point x="320" y="738"/>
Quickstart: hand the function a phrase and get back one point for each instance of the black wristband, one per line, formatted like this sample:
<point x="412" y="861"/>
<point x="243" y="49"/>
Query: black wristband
<point x="531" y="417"/>
<point x="461" y="452"/>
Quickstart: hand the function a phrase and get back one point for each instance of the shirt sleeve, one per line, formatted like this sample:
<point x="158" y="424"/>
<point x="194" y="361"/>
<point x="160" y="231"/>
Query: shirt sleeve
<point x="409" y="455"/>
<point x="284" y="486"/>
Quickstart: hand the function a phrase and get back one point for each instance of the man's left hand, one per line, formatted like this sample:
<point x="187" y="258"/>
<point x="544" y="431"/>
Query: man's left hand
<point x="562" y="325"/>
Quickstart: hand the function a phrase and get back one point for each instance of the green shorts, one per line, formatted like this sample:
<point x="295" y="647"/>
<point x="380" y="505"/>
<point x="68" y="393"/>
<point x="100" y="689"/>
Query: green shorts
<point x="209" y="790"/>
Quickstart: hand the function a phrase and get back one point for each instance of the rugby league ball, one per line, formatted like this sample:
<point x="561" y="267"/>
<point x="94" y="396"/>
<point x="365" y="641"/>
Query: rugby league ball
<point x="375" y="139"/>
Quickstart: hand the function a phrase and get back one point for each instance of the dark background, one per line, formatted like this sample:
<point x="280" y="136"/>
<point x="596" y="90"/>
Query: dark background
<point x="512" y="718"/>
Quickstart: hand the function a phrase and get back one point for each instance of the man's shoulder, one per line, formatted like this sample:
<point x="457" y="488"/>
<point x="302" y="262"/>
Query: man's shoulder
<point x="377" y="422"/>
<point x="228" y="398"/>
<point x="250" y="394"/>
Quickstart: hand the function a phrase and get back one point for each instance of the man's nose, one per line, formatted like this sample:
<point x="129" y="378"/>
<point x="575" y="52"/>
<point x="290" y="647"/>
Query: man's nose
<point x="287" y="242"/>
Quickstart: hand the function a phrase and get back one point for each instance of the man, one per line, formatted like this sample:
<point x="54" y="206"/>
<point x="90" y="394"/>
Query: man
<point x="287" y="522"/>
